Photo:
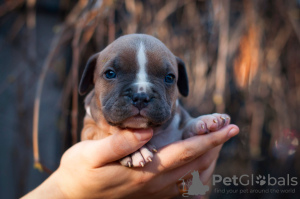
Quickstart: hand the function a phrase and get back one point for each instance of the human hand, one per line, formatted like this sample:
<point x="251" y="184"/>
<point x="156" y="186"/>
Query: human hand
<point x="89" y="168"/>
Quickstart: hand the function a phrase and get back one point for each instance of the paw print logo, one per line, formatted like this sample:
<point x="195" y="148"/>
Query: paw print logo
<point x="261" y="180"/>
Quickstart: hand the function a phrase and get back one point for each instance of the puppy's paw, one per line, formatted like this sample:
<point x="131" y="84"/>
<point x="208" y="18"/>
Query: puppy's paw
<point x="205" y="124"/>
<point x="139" y="158"/>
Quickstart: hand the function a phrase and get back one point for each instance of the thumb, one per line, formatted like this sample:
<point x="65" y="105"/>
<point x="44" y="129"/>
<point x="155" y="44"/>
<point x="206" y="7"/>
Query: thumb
<point x="100" y="152"/>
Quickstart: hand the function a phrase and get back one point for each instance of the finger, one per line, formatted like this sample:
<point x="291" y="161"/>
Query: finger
<point x="114" y="147"/>
<point x="182" y="152"/>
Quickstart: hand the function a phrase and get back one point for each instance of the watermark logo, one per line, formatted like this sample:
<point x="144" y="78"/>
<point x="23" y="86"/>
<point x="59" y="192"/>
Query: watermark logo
<point x="194" y="187"/>
<point x="261" y="180"/>
<point x="268" y="183"/>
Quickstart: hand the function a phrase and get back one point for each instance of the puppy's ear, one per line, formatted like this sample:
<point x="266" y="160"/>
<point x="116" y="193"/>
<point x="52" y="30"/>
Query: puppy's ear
<point x="87" y="78"/>
<point x="183" y="82"/>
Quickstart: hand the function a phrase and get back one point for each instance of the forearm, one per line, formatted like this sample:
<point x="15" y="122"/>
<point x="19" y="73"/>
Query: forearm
<point x="48" y="189"/>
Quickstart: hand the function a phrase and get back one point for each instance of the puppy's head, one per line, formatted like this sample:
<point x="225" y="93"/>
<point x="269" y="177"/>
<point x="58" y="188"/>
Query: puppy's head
<point x="136" y="80"/>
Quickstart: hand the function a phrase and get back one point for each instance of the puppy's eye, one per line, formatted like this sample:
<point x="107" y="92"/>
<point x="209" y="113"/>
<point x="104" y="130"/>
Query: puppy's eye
<point x="170" y="78"/>
<point x="110" y="74"/>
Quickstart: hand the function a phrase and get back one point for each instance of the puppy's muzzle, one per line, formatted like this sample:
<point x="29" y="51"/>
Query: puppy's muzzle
<point x="140" y="100"/>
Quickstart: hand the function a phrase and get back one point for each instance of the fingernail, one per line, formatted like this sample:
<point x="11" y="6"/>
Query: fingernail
<point x="215" y="121"/>
<point x="142" y="164"/>
<point x="232" y="132"/>
<point x="143" y="135"/>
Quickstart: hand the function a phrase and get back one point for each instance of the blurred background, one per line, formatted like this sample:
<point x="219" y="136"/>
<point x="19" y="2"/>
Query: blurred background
<point x="242" y="57"/>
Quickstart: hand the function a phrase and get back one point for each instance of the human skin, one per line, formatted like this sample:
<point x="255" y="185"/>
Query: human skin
<point x="90" y="169"/>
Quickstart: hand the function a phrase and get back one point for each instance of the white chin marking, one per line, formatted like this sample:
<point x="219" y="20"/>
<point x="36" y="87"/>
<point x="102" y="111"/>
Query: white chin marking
<point x="142" y="76"/>
<point x="136" y="122"/>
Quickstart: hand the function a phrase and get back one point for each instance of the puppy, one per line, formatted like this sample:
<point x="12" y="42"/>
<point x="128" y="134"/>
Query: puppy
<point x="137" y="80"/>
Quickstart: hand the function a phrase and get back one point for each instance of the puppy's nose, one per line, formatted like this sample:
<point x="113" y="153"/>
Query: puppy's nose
<point x="140" y="100"/>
